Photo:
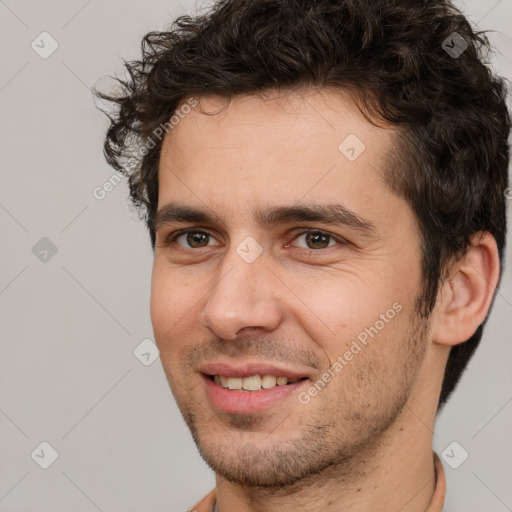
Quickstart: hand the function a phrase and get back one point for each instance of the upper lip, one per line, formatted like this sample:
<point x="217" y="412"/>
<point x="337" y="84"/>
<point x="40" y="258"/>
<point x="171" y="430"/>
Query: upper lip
<point x="247" y="369"/>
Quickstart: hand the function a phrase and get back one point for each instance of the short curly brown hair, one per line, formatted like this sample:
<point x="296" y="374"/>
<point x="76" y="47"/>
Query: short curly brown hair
<point x="450" y="163"/>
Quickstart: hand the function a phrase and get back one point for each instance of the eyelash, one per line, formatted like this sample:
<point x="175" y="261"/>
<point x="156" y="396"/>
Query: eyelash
<point x="174" y="236"/>
<point x="339" y="240"/>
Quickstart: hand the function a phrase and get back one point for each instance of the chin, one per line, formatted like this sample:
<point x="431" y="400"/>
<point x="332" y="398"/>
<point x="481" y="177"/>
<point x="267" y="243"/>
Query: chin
<point x="253" y="462"/>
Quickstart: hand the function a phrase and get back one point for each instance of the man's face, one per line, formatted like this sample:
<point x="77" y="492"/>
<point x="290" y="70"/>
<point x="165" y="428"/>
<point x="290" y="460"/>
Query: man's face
<point x="261" y="287"/>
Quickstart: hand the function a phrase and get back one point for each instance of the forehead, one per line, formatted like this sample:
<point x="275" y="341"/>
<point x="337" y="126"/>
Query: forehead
<point x="254" y="119"/>
<point x="313" y="145"/>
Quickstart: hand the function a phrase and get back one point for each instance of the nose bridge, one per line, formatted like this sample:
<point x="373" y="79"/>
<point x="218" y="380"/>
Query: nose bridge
<point x="242" y="297"/>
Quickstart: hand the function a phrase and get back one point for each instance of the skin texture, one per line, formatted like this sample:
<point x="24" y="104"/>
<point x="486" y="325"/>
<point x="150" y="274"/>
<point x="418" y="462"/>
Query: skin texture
<point x="366" y="437"/>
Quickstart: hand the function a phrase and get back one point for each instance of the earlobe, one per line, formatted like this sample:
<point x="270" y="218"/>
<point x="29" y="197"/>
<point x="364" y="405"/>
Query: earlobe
<point x="465" y="297"/>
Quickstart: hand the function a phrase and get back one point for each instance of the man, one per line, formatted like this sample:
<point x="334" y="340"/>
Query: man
<point x="324" y="187"/>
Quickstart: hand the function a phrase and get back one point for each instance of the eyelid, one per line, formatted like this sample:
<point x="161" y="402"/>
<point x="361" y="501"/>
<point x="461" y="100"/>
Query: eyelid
<point x="339" y="239"/>
<point x="302" y="231"/>
<point x="176" y="234"/>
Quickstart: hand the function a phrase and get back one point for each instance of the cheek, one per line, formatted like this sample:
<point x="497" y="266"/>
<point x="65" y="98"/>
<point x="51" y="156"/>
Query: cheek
<point x="171" y="309"/>
<point x="341" y="309"/>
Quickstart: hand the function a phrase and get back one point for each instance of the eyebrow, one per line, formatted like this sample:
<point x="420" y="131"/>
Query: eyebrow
<point x="331" y="213"/>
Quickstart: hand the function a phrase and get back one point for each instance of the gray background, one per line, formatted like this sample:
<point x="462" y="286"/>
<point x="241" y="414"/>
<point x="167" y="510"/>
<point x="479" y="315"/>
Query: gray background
<point x="70" y="324"/>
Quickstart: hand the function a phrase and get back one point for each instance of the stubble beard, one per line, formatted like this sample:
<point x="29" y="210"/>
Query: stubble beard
<point x="332" y="442"/>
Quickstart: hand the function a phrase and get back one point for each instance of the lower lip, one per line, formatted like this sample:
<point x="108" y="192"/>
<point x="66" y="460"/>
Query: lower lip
<point x="239" y="402"/>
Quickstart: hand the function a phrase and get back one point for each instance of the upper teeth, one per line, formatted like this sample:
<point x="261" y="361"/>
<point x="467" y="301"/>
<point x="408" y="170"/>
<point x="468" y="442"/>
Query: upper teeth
<point x="252" y="383"/>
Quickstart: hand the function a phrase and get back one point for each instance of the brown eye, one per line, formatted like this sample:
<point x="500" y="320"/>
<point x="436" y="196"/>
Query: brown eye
<point x="317" y="240"/>
<point x="314" y="240"/>
<point x="195" y="240"/>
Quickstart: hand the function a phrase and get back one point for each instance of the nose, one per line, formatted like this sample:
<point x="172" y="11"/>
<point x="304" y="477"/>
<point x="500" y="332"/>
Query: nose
<point x="244" y="298"/>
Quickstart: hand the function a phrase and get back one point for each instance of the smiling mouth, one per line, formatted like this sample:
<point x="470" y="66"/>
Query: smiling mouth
<point x="253" y="382"/>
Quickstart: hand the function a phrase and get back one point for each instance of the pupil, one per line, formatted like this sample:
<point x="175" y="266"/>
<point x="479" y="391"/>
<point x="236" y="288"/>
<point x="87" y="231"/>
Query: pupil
<point x="317" y="240"/>
<point x="197" y="239"/>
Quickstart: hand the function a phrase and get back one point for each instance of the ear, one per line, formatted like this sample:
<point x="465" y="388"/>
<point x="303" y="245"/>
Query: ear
<point x="466" y="296"/>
